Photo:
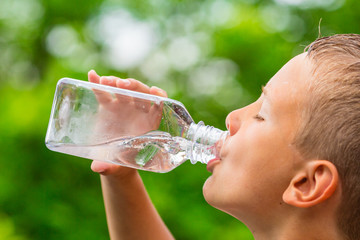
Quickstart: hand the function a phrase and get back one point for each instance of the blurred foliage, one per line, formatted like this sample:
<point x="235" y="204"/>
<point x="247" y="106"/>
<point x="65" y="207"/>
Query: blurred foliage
<point x="212" y="55"/>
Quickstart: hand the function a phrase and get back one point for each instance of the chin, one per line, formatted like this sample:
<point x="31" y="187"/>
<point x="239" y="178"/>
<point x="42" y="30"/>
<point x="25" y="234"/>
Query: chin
<point x="224" y="201"/>
<point x="212" y="195"/>
<point x="208" y="191"/>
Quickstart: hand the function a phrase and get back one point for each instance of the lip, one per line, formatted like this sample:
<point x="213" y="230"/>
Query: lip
<point x="211" y="164"/>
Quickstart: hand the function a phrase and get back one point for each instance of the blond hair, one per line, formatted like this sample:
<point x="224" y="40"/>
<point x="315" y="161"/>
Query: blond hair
<point x="331" y="126"/>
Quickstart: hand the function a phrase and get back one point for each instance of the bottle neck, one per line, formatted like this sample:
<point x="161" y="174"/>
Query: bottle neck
<point x="205" y="142"/>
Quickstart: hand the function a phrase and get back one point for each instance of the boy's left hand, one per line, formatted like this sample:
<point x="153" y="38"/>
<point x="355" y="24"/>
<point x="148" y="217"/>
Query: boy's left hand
<point x="136" y="117"/>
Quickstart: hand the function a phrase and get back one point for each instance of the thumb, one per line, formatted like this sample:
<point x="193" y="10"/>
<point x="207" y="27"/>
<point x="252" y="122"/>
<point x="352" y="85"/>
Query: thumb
<point x="101" y="167"/>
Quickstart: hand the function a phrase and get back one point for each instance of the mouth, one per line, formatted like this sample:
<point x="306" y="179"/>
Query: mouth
<point x="217" y="159"/>
<point x="211" y="164"/>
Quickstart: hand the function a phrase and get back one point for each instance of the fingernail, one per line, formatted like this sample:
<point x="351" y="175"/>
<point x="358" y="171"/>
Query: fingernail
<point x="125" y="82"/>
<point x="92" y="71"/>
<point x="156" y="88"/>
<point x="98" y="168"/>
<point x="159" y="90"/>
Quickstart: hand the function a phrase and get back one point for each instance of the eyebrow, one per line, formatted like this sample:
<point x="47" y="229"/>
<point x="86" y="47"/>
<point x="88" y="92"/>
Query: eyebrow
<point x="264" y="91"/>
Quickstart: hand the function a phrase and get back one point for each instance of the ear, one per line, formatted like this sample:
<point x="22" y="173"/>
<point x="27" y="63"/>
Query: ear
<point x="313" y="184"/>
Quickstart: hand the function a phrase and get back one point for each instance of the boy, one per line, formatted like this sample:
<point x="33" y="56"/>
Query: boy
<point x="290" y="168"/>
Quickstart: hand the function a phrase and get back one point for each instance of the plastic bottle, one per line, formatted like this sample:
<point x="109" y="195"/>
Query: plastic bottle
<point x="128" y="128"/>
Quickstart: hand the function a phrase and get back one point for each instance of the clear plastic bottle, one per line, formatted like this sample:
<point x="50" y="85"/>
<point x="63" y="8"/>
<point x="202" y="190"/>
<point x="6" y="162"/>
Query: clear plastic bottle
<point x="128" y="128"/>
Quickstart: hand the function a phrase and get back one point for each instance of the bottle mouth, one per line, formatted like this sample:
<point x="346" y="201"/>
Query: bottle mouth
<point x="220" y="144"/>
<point x="206" y="142"/>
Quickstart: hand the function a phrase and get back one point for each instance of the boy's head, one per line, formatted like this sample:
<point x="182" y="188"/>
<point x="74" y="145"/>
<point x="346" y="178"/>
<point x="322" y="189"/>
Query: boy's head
<point x="331" y="126"/>
<point x="287" y="150"/>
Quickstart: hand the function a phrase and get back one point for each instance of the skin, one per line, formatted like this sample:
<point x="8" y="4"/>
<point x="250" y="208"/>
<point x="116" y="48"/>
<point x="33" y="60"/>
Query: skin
<point x="259" y="177"/>
<point x="260" y="141"/>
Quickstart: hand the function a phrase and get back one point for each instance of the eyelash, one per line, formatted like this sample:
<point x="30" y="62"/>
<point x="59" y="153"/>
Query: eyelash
<point x="258" y="117"/>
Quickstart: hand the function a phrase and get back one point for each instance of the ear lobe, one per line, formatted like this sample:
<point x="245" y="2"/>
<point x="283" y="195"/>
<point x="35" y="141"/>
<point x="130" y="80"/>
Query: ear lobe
<point x="313" y="184"/>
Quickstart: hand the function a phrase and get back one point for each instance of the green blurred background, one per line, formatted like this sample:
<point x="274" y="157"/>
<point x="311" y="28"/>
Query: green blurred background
<point x="212" y="55"/>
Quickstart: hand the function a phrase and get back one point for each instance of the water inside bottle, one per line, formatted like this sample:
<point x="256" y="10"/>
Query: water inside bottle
<point x="156" y="151"/>
<point x="135" y="130"/>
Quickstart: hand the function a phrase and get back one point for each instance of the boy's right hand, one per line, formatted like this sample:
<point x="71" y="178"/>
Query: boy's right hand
<point x="131" y="84"/>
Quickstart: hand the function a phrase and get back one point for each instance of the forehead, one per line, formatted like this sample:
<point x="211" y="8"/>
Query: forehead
<point x="287" y="93"/>
<point x="291" y="81"/>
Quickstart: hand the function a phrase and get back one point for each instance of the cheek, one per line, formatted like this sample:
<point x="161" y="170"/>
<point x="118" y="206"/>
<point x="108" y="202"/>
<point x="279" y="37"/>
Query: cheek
<point x="252" y="170"/>
<point x="248" y="147"/>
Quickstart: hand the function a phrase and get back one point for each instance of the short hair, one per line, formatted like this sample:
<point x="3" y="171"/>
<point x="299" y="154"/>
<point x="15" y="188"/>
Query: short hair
<point x="330" y="129"/>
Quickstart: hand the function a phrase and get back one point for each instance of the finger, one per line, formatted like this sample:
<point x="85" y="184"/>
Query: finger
<point x="142" y="104"/>
<point x="104" y="97"/>
<point x="155" y="115"/>
<point x="93" y="76"/>
<point x="103" y="167"/>
<point x="99" y="167"/>
<point x="154" y="91"/>
<point x="137" y="86"/>
<point x="156" y="109"/>
<point x="157" y="91"/>
<point x="123" y="83"/>
<point x="101" y="96"/>
<point x="110" y="81"/>
<point x="134" y="85"/>
<point x="107" y="169"/>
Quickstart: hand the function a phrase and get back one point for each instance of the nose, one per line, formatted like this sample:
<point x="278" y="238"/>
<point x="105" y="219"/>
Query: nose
<point x="233" y="122"/>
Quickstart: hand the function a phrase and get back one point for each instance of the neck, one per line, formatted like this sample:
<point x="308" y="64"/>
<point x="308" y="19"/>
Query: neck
<point x="295" y="230"/>
<point x="307" y="223"/>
